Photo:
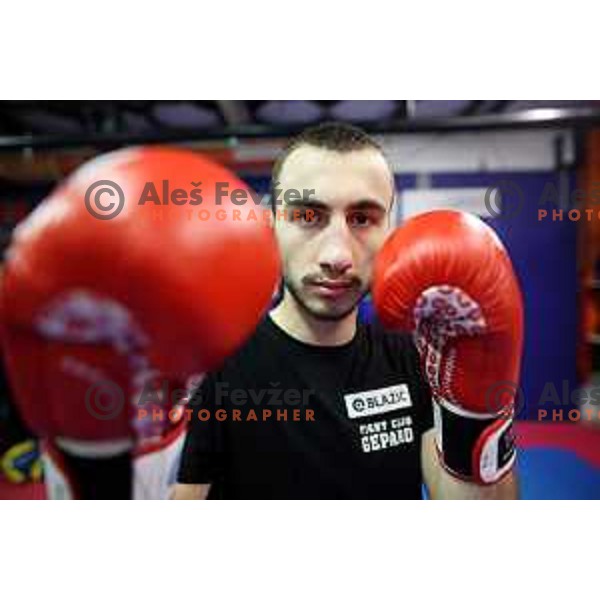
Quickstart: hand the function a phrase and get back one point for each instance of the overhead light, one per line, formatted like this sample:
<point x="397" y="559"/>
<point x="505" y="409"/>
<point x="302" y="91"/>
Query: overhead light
<point x="289" y="112"/>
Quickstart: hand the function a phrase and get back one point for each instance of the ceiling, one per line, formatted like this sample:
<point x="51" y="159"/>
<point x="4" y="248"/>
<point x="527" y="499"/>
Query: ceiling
<point x="139" y="117"/>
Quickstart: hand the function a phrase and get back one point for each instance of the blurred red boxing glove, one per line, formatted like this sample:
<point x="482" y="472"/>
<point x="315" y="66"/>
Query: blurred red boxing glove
<point x="97" y="308"/>
<point x="446" y="276"/>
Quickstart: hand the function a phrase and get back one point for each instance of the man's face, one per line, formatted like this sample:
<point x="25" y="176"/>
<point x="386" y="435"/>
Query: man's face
<point x="331" y="235"/>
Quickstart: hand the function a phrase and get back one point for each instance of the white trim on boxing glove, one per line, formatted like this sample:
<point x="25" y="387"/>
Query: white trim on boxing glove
<point x="94" y="449"/>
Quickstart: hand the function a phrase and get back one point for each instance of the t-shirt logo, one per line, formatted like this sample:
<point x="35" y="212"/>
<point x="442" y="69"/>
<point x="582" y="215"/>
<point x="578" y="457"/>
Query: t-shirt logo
<point x="377" y="402"/>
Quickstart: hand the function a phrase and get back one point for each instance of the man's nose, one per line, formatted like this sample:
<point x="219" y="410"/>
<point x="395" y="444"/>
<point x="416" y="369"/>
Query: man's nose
<point x="335" y="255"/>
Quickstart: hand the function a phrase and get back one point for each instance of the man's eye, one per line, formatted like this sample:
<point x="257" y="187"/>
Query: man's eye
<point x="360" y="220"/>
<point x="308" y="217"/>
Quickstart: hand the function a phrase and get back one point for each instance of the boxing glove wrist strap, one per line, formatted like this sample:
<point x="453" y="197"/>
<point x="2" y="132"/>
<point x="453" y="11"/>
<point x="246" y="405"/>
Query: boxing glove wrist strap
<point x="476" y="447"/>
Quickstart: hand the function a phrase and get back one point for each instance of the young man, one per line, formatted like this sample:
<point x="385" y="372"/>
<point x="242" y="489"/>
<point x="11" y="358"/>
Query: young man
<point x="317" y="404"/>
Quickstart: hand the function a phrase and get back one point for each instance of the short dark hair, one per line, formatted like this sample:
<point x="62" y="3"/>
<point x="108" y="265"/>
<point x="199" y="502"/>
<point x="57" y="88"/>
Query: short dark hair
<point x="335" y="136"/>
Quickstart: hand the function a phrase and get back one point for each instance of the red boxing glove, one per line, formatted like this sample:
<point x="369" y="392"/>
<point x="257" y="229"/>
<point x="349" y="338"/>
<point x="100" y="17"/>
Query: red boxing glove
<point x="96" y="308"/>
<point x="446" y="276"/>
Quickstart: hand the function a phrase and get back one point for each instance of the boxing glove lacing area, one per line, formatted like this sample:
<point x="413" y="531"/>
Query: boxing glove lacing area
<point x="82" y="317"/>
<point x="443" y="312"/>
<point x="473" y="446"/>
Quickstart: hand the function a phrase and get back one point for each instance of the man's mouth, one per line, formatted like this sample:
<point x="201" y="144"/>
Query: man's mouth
<point x="332" y="288"/>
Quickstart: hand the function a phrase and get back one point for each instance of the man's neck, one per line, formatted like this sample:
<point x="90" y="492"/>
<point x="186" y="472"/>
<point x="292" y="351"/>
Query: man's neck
<point x="296" y="322"/>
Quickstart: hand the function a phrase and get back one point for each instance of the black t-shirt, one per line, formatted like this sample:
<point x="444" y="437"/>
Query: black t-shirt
<point x="286" y="419"/>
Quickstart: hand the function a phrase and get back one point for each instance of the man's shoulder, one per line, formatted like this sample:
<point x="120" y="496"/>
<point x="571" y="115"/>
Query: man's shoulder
<point x="396" y="348"/>
<point x="243" y="363"/>
<point x="375" y="331"/>
<point x="251" y="350"/>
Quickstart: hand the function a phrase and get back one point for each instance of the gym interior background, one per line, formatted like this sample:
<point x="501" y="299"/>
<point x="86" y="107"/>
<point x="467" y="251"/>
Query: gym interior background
<point x="531" y="169"/>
